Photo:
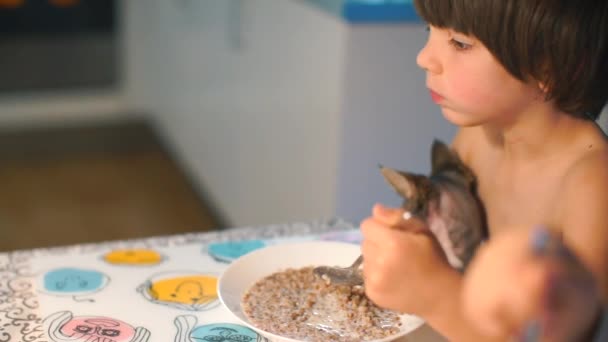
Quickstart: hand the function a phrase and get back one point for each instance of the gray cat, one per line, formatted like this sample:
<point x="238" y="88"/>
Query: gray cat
<point x="447" y="201"/>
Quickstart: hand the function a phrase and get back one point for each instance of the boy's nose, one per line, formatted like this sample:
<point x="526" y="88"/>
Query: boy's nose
<point x="427" y="60"/>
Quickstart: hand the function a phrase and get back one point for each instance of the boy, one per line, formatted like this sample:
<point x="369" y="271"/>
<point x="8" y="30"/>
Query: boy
<point x="524" y="79"/>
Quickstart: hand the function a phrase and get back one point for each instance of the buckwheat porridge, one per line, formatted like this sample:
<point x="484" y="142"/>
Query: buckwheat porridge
<point x="297" y="304"/>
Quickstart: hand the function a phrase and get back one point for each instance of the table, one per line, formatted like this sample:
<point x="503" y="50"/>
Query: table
<point x="144" y="290"/>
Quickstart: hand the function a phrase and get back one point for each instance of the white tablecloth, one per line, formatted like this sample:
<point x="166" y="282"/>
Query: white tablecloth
<point x="155" y="289"/>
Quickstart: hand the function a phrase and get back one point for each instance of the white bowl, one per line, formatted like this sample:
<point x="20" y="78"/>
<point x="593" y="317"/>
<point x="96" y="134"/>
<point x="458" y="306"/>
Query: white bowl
<point x="248" y="269"/>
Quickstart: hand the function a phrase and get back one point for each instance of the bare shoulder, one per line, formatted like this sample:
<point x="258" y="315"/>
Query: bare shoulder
<point x="586" y="180"/>
<point x="589" y="167"/>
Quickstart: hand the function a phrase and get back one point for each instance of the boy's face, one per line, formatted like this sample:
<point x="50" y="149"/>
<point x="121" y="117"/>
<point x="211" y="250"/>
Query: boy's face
<point x="469" y="84"/>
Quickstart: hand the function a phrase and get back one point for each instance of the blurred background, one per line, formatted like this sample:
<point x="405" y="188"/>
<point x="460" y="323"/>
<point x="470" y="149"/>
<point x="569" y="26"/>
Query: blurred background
<point x="126" y="119"/>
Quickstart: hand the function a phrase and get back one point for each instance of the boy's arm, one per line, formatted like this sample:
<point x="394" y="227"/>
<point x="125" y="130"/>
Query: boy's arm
<point x="448" y="317"/>
<point x="583" y="214"/>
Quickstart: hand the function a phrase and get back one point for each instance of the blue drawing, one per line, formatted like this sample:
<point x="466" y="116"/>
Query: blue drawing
<point x="73" y="281"/>
<point x="187" y="331"/>
<point x="223" y="332"/>
<point x="69" y="280"/>
<point x="231" y="250"/>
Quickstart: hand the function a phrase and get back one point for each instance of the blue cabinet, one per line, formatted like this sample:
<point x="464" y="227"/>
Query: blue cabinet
<point x="370" y="11"/>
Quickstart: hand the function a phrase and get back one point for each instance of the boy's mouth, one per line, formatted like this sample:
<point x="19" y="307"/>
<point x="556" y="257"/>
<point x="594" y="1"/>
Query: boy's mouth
<point x="435" y="96"/>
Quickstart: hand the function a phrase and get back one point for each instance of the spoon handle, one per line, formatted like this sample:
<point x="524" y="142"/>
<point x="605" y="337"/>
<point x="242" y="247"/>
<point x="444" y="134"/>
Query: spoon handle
<point x="357" y="263"/>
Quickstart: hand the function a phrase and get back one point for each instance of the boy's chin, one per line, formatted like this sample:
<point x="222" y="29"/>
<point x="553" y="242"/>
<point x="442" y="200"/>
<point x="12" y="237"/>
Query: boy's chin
<point x="460" y="119"/>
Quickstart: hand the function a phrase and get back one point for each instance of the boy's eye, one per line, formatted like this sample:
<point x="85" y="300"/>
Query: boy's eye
<point x="460" y="45"/>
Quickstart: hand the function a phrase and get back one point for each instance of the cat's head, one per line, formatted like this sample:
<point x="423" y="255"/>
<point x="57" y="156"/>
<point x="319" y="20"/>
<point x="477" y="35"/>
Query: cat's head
<point x="419" y="190"/>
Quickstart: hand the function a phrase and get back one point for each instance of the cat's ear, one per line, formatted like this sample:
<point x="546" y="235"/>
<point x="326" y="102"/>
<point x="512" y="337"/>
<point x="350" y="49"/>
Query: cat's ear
<point x="400" y="182"/>
<point x="442" y="156"/>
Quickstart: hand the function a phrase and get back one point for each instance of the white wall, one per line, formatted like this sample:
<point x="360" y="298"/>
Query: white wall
<point x="248" y="93"/>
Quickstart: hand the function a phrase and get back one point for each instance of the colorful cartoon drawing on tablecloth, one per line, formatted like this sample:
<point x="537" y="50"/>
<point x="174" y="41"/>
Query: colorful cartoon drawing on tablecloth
<point x="134" y="257"/>
<point x="350" y="236"/>
<point x="73" y="282"/>
<point x="63" y="326"/>
<point x="230" y="250"/>
<point x="185" y="290"/>
<point x="188" y="331"/>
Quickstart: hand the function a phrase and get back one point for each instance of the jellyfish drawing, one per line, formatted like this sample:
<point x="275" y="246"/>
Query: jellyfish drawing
<point x="192" y="291"/>
<point x="73" y="282"/>
<point x="231" y="250"/>
<point x="64" y="326"/>
<point x="133" y="257"/>
<point x="188" y="331"/>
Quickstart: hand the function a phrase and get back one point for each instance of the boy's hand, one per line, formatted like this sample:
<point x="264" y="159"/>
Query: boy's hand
<point x="522" y="279"/>
<point x="402" y="261"/>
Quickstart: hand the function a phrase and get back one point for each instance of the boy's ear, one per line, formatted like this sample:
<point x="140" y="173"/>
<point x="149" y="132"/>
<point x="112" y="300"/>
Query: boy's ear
<point x="400" y="182"/>
<point x="442" y="156"/>
<point x="542" y="88"/>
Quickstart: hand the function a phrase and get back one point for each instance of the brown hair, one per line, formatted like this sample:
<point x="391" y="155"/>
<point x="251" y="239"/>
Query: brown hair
<point x="561" y="43"/>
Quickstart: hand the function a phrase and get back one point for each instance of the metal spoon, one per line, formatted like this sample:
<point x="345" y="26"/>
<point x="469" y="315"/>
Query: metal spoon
<point x="342" y="275"/>
<point x="349" y="275"/>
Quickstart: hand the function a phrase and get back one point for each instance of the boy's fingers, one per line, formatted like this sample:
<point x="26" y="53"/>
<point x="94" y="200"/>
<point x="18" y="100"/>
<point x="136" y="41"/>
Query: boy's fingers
<point x="546" y="243"/>
<point x="564" y="271"/>
<point x="394" y="217"/>
<point x="530" y="291"/>
<point x="378" y="234"/>
<point x="386" y="215"/>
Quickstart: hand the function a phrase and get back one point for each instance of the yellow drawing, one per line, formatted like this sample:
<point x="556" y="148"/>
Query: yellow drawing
<point x="188" y="291"/>
<point x="135" y="257"/>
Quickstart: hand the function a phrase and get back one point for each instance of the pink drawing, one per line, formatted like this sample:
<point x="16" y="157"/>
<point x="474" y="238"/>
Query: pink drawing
<point x="63" y="326"/>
